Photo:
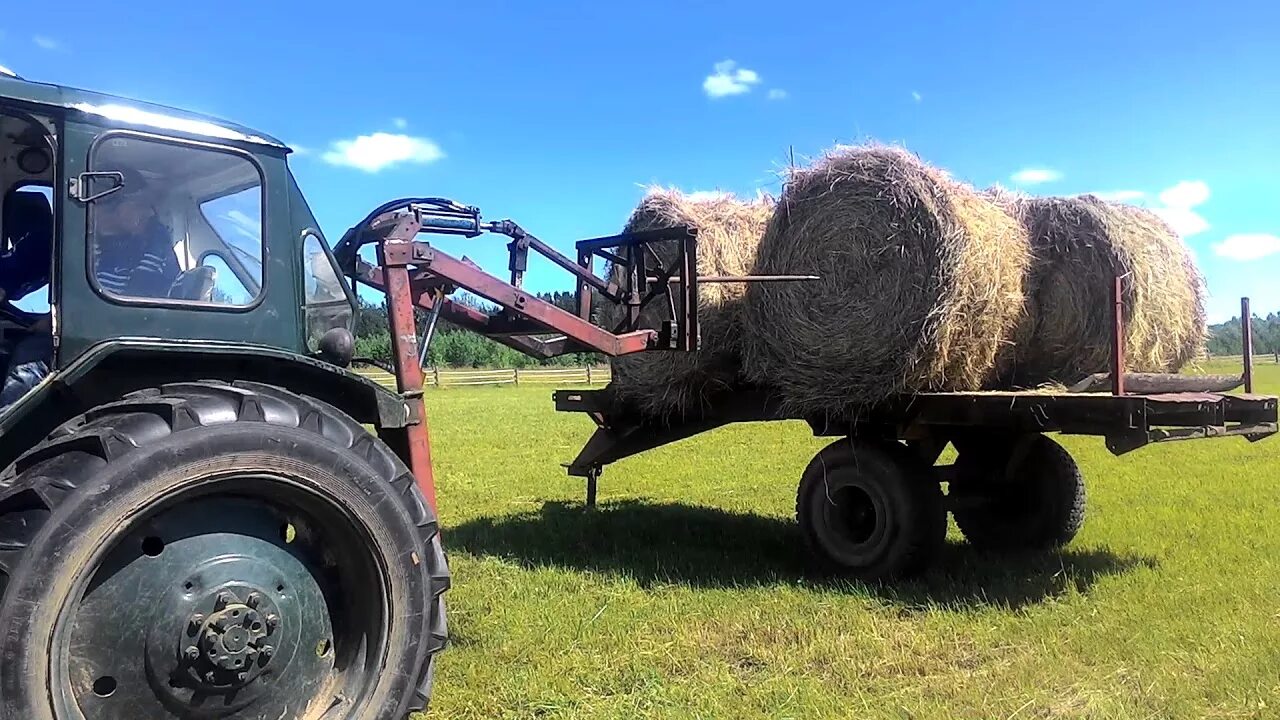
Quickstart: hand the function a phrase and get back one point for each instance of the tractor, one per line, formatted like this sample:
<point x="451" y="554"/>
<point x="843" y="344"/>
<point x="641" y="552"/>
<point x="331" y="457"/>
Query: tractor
<point x="204" y="511"/>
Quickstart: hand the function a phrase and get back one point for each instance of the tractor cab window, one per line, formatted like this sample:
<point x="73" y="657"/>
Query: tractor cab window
<point x="327" y="306"/>
<point x="178" y="223"/>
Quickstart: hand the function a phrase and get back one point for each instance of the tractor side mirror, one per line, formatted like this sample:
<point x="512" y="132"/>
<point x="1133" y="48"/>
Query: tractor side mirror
<point x="337" y="346"/>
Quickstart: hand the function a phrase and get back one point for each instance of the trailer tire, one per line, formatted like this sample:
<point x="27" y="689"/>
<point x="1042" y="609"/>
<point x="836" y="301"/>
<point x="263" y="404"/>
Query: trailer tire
<point x="1025" y="493"/>
<point x="870" y="510"/>
<point x="189" y="544"/>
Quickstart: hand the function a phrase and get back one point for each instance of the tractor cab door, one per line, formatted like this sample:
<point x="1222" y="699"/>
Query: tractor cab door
<point x="166" y="239"/>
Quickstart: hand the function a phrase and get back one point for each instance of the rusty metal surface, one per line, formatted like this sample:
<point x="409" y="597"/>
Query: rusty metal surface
<point x="1128" y="422"/>
<point x="409" y="378"/>
<point x="1246" y="337"/>
<point x="1117" y="337"/>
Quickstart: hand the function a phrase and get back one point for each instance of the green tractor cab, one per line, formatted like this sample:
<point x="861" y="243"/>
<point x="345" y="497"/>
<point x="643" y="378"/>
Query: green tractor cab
<point x="193" y="521"/>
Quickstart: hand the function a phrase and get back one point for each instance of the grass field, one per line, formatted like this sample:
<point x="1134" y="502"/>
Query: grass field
<point x="685" y="595"/>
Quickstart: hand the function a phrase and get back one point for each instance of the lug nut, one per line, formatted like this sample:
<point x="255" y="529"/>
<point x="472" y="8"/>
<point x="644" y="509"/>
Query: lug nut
<point x="267" y="652"/>
<point x="241" y="677"/>
<point x="192" y="652"/>
<point x="210" y="677"/>
<point x="272" y="621"/>
<point x="224" y="599"/>
<point x="253" y="600"/>
<point x="196" y="621"/>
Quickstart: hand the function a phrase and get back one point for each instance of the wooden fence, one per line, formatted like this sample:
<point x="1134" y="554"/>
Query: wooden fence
<point x="462" y="377"/>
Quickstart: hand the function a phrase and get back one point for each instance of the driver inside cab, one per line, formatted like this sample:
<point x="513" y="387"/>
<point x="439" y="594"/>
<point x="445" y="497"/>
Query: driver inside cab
<point x="133" y="257"/>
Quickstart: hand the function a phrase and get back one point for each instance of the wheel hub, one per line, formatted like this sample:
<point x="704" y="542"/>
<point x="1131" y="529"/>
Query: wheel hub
<point x="231" y="645"/>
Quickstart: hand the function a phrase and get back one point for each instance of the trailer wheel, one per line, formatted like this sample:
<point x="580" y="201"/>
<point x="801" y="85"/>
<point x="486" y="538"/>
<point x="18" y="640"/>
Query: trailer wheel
<point x="220" y="551"/>
<point x="1021" y="494"/>
<point x="871" y="510"/>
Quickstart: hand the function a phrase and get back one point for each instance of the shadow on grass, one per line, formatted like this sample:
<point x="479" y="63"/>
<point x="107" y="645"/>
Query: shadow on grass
<point x="705" y="547"/>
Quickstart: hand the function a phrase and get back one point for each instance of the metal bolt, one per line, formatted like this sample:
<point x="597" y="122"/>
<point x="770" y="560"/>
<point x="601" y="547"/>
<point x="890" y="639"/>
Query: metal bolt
<point x="267" y="652"/>
<point x="211" y="635"/>
<point x="272" y="621"/>
<point x="242" y="676"/>
<point x="224" y="599"/>
<point x="210" y="676"/>
<point x="253" y="600"/>
<point x="192" y="652"/>
<point x="196" y="621"/>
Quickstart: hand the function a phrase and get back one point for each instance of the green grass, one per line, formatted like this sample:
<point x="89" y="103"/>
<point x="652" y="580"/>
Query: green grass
<point x="686" y="595"/>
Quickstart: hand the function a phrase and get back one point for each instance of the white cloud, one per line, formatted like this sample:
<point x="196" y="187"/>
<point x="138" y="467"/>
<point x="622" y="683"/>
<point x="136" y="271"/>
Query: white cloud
<point x="1186" y="194"/>
<point x="400" y="123"/>
<point x="915" y="95"/>
<point x="1119" y="195"/>
<point x="1184" y="221"/>
<point x="777" y="94"/>
<point x="1035" y="176"/>
<point x="1177" y="207"/>
<point x="44" y="42"/>
<point x="379" y="151"/>
<point x="1248" y="246"/>
<point x="729" y="79"/>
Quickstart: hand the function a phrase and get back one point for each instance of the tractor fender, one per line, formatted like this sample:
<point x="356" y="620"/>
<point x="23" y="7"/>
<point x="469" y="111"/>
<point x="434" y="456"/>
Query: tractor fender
<point x="107" y="371"/>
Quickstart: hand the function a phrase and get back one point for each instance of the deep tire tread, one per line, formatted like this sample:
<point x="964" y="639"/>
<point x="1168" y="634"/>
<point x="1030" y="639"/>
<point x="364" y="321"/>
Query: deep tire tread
<point x="1050" y="471"/>
<point x="68" y="457"/>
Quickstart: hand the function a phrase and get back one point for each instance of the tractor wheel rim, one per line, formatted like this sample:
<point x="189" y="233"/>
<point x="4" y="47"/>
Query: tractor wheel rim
<point x="246" y="597"/>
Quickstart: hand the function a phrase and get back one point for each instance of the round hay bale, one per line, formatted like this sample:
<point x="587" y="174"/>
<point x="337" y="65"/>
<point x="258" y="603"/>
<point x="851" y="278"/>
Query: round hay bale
<point x="666" y="383"/>
<point x="921" y="284"/>
<point x="1080" y="244"/>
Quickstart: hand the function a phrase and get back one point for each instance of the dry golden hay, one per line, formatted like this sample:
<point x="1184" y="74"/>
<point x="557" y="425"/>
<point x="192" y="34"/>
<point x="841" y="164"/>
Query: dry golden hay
<point x="1080" y="245"/>
<point x="922" y="284"/>
<point x="729" y="229"/>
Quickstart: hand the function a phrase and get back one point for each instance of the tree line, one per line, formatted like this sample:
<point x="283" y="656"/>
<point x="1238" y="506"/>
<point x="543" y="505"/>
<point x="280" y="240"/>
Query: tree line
<point x="1226" y="338"/>
<point x="454" y="347"/>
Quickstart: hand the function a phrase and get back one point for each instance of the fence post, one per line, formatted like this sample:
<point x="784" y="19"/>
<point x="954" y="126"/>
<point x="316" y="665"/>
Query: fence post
<point x="588" y="374"/>
<point x="516" y="374"/>
<point x="435" y="375"/>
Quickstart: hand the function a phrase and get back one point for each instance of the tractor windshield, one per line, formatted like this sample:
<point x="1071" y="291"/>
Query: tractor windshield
<point x="186" y="223"/>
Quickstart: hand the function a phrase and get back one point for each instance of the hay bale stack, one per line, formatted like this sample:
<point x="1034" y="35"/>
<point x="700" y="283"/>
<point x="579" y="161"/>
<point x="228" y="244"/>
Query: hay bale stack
<point x="665" y="383"/>
<point x="922" y="282"/>
<point x="1080" y="244"/>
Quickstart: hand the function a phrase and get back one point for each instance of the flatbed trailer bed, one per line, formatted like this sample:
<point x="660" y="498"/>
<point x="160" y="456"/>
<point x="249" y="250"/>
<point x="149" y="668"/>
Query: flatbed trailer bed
<point x="1127" y="422"/>
<point x="871" y="504"/>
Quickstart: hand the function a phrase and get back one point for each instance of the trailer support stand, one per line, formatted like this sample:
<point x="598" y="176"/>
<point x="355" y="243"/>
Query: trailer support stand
<point x="592" y="477"/>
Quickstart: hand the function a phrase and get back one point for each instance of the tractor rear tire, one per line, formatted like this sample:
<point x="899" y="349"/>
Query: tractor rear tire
<point x="870" y="510"/>
<point x="1017" y="494"/>
<point x="216" y="550"/>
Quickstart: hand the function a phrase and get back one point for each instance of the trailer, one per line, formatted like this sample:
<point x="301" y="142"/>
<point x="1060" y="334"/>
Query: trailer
<point x="871" y="503"/>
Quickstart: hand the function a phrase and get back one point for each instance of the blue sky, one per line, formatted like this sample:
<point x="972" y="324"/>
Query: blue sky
<point x="557" y="113"/>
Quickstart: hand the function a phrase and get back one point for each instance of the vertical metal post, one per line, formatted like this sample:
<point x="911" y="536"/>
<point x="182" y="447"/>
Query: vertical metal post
<point x="1117" y="337"/>
<point x="689" y="293"/>
<point x="1246" y="337"/>
<point x="583" y="292"/>
<point x="394" y="254"/>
